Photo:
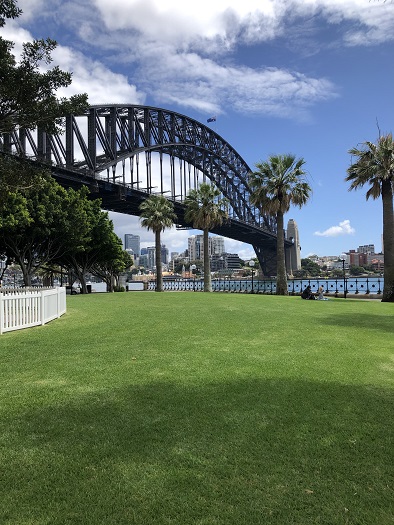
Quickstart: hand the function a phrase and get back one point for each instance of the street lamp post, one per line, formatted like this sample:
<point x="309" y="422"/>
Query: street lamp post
<point x="193" y="269"/>
<point x="251" y="264"/>
<point x="343" y="259"/>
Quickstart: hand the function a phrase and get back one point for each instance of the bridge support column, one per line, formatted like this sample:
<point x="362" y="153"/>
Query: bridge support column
<point x="267" y="259"/>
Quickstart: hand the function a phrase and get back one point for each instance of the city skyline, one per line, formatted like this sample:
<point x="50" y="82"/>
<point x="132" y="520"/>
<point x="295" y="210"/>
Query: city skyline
<point x="309" y="77"/>
<point x="217" y="246"/>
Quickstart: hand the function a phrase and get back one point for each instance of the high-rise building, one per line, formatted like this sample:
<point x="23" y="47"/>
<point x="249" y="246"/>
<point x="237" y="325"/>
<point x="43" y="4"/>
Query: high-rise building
<point x="295" y="251"/>
<point x="151" y="257"/>
<point x="132" y="242"/>
<point x="217" y="245"/>
<point x="367" y="248"/>
<point x="164" y="254"/>
<point x="143" y="261"/>
<point x="196" y="247"/>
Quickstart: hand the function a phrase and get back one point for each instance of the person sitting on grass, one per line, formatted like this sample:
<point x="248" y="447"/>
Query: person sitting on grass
<point x="321" y="297"/>
<point x="307" y="293"/>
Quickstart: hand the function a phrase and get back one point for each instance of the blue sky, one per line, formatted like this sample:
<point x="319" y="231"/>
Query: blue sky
<point x="309" y="77"/>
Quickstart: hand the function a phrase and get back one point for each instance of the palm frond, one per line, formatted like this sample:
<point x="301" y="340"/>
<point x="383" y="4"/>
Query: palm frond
<point x="374" y="164"/>
<point x="157" y="213"/>
<point x="278" y="183"/>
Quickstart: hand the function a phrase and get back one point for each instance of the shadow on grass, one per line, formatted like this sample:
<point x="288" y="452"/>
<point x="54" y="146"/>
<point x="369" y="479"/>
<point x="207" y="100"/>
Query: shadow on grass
<point x="380" y="322"/>
<point x="245" y="452"/>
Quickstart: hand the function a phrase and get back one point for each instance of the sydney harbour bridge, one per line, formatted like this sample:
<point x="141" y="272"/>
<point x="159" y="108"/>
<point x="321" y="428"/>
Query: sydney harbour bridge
<point x="124" y="153"/>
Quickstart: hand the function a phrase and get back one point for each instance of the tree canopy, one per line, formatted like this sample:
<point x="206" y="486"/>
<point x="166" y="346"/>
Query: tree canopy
<point x="32" y="221"/>
<point x="27" y="93"/>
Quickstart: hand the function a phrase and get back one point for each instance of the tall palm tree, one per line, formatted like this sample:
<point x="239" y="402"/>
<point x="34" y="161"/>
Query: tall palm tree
<point x="157" y="214"/>
<point x="205" y="209"/>
<point x="375" y="166"/>
<point x="278" y="183"/>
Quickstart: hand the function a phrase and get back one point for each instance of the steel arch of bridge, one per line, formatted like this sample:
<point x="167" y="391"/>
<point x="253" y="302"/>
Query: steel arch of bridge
<point x="104" y="146"/>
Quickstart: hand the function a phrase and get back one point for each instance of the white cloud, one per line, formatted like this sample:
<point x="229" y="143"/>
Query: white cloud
<point x="102" y="85"/>
<point x="30" y="8"/>
<point x="229" y="21"/>
<point x="344" y="228"/>
<point x="192" y="81"/>
<point x="89" y="76"/>
<point x="193" y="23"/>
<point x="182" y="52"/>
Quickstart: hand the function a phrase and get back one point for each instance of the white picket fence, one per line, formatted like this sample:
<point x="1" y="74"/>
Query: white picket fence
<point x="26" y="307"/>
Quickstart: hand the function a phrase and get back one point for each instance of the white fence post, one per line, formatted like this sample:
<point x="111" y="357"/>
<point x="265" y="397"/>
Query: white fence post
<point x="42" y="308"/>
<point x="1" y="313"/>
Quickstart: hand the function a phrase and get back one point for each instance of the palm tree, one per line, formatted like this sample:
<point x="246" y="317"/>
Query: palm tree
<point x="375" y="166"/>
<point x="205" y="209"/>
<point x="157" y="214"/>
<point x="278" y="183"/>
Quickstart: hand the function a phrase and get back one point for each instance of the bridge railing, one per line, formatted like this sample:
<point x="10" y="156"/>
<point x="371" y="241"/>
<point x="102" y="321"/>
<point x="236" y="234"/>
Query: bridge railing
<point x="358" y="286"/>
<point x="27" y="307"/>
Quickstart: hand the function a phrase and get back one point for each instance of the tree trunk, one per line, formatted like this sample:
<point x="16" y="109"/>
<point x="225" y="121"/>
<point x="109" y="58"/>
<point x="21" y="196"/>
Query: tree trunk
<point x="84" y="288"/>
<point x="80" y="273"/>
<point x="388" y="241"/>
<point x="207" y="265"/>
<point x="281" y="277"/>
<point x="26" y="275"/>
<point x="109" y="280"/>
<point x="159" y="273"/>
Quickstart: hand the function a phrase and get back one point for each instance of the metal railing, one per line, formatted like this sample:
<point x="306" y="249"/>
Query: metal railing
<point x="338" y="286"/>
<point x="27" y="307"/>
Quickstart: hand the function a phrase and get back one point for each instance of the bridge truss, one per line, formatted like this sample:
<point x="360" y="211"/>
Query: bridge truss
<point x="124" y="153"/>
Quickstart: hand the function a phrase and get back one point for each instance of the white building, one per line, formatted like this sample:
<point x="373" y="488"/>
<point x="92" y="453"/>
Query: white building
<point x="217" y="244"/>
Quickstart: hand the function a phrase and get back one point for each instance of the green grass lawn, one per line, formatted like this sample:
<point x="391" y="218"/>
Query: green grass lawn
<point x="207" y="409"/>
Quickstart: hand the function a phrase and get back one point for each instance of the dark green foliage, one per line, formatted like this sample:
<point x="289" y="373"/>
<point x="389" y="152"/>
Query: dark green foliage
<point x="27" y="93"/>
<point x="356" y="270"/>
<point x="8" y="9"/>
<point x="311" y="268"/>
<point x="95" y="248"/>
<point x="34" y="223"/>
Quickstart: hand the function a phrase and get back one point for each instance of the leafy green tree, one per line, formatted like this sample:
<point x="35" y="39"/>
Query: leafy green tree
<point x="16" y="177"/>
<point x="27" y="100"/>
<point x="157" y="214"/>
<point x="276" y="185"/>
<point x="356" y="270"/>
<point x="375" y="167"/>
<point x="94" y="245"/>
<point x="114" y="261"/>
<point x="300" y="274"/>
<point x="27" y="92"/>
<point x="312" y="268"/>
<point x="205" y="209"/>
<point x="32" y="238"/>
<point x="8" y="9"/>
